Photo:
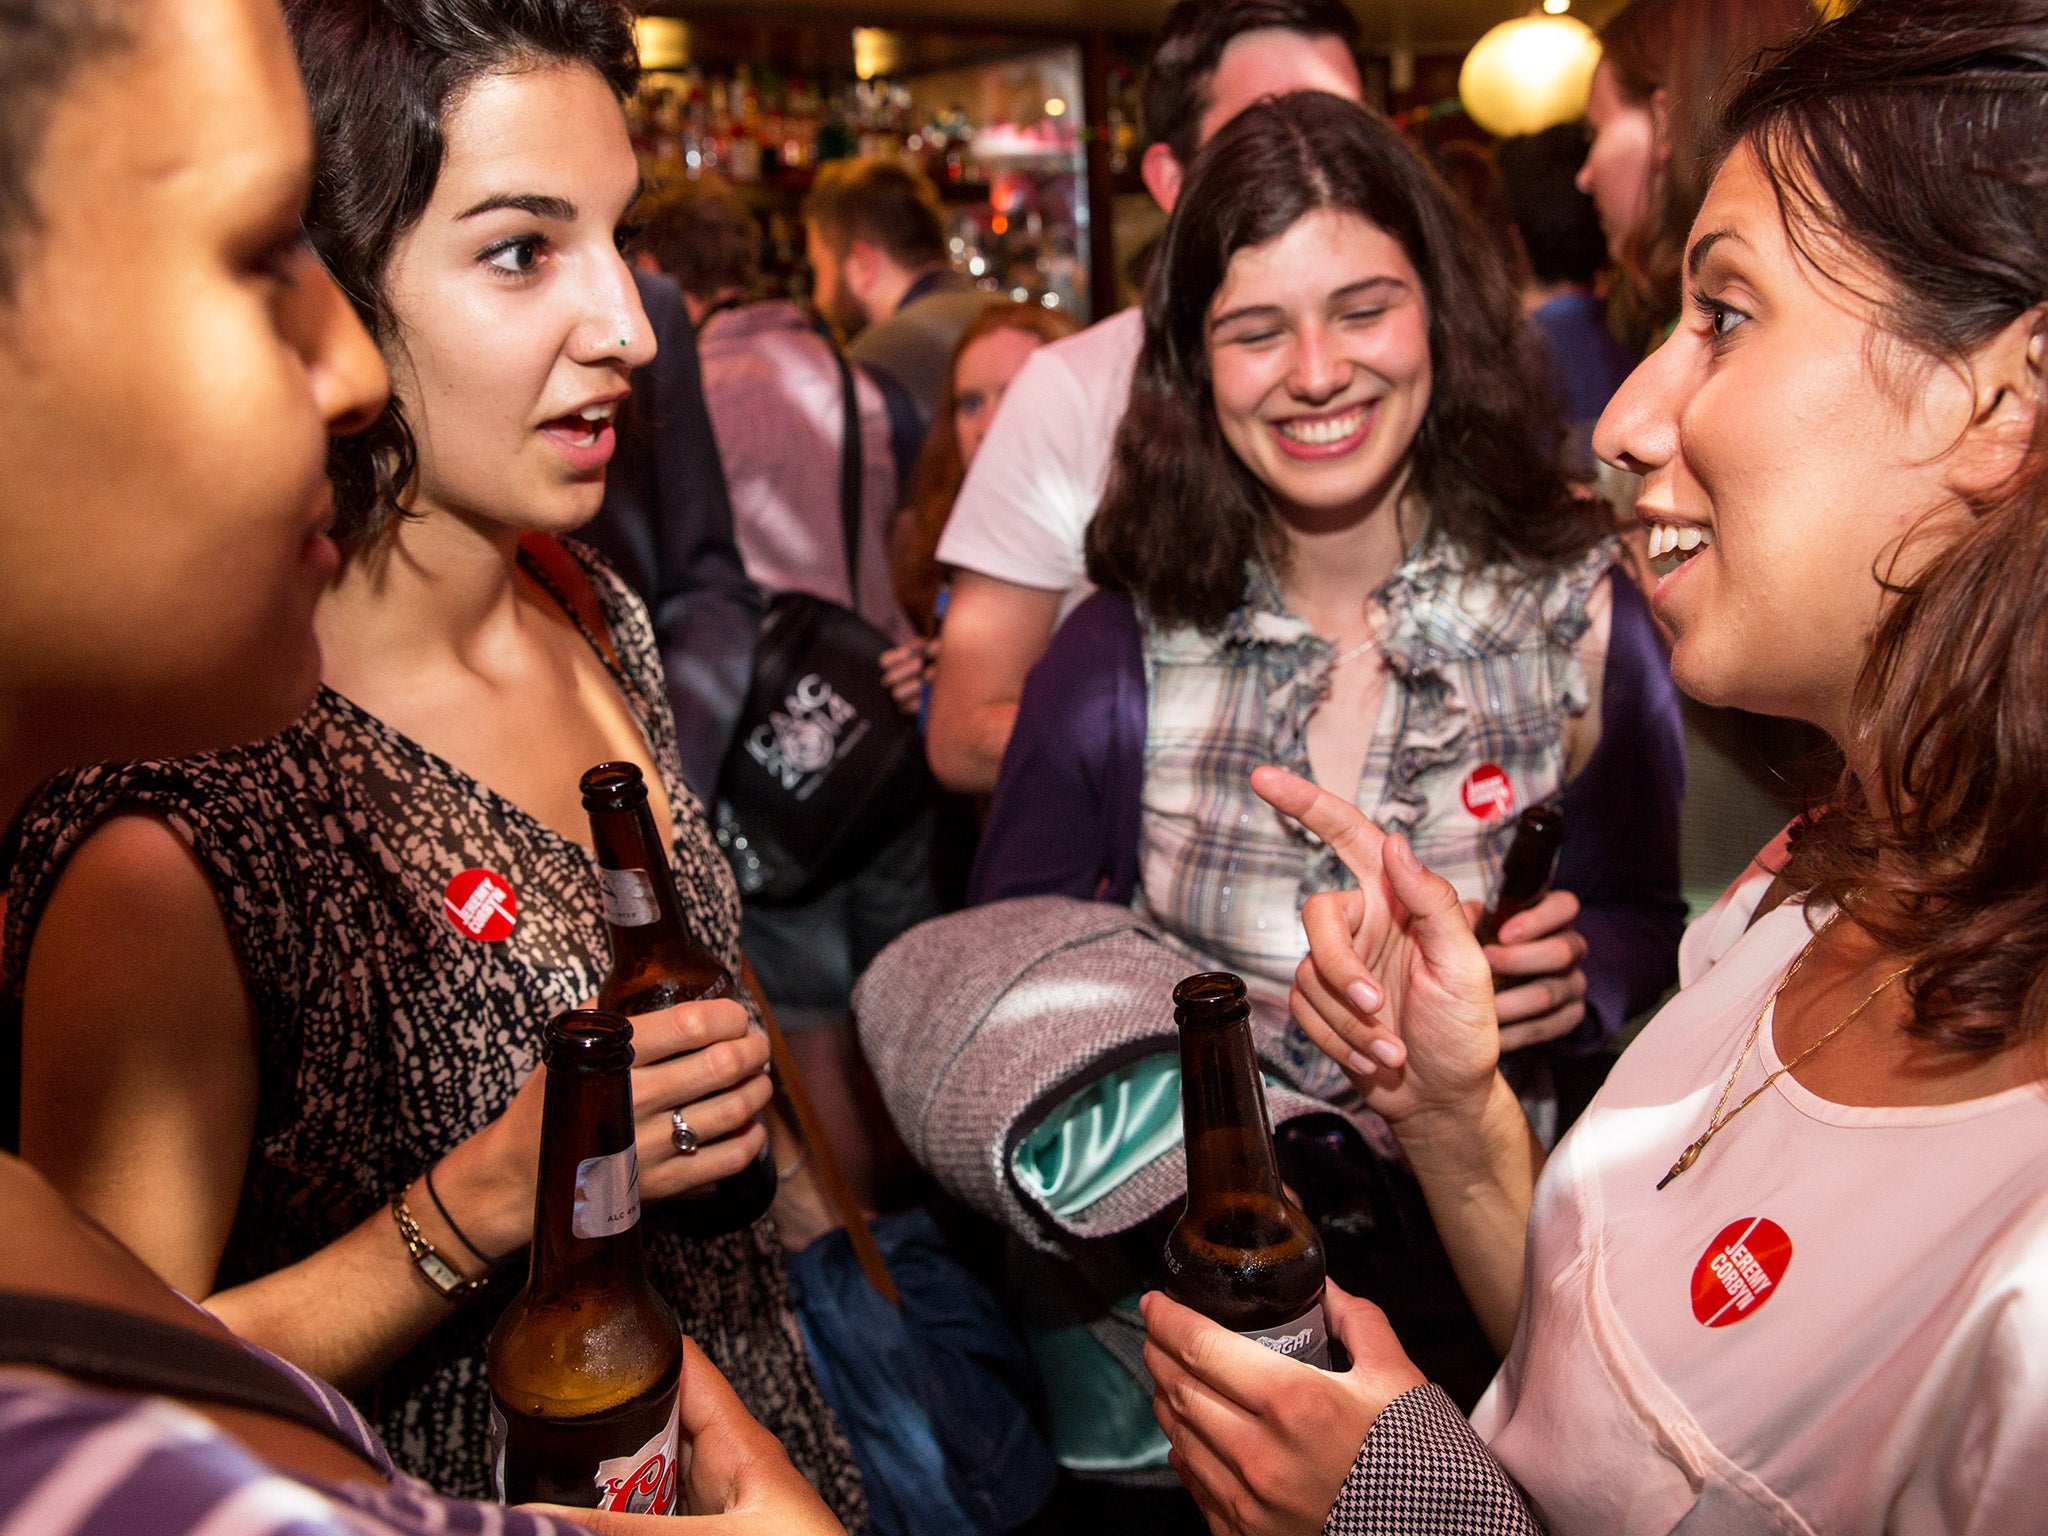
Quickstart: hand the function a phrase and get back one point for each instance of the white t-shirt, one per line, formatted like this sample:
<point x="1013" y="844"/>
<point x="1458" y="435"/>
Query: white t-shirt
<point x="1836" y="1321"/>
<point x="1031" y="490"/>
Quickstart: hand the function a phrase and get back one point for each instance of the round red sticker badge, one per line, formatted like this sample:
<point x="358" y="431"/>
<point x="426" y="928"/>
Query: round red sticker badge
<point x="1740" y="1271"/>
<point x="480" y="903"/>
<point x="1488" y="791"/>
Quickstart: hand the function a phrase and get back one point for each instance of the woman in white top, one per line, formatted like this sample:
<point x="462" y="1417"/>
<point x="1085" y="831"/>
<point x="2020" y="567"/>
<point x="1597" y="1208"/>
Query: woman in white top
<point x="1790" y="1272"/>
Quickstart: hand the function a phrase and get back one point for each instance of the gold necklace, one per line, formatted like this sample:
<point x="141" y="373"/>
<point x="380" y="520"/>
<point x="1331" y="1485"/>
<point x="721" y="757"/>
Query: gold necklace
<point x="1717" y="1120"/>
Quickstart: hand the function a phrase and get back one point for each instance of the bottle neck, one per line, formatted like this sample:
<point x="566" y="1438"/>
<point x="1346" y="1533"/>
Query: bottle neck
<point x="1224" y="1120"/>
<point x="648" y="935"/>
<point x="586" y="1220"/>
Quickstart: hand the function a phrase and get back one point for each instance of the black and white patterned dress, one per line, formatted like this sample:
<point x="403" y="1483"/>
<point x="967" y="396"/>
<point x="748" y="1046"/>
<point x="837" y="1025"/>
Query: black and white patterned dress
<point x="386" y="1035"/>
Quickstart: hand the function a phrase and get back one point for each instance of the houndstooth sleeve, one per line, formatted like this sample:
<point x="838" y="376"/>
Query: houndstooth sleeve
<point x="1423" y="1472"/>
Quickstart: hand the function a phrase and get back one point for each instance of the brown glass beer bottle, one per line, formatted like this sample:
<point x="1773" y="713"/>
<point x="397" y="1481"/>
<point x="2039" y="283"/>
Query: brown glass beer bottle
<point x="656" y="963"/>
<point x="1526" y="873"/>
<point x="585" y="1363"/>
<point x="1242" y="1253"/>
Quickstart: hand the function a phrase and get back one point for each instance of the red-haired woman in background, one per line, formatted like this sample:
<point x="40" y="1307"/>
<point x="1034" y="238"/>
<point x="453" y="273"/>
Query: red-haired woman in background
<point x="992" y="349"/>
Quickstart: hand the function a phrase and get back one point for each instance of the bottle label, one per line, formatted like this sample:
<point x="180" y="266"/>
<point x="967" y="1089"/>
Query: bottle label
<point x="500" y="1433"/>
<point x="644" y="1483"/>
<point x="1306" y="1339"/>
<point x="607" y="1195"/>
<point x="628" y="896"/>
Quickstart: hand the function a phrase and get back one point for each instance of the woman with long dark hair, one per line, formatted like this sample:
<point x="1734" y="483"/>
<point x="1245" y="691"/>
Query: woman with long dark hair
<point x="1790" y="1271"/>
<point x="303" y="1022"/>
<point x="1337" y="537"/>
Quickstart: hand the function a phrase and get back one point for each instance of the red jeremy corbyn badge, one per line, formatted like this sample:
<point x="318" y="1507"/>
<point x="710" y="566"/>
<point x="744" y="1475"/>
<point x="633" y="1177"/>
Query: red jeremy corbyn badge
<point x="1740" y="1270"/>
<point x="1488" y="791"/>
<point x="480" y="903"/>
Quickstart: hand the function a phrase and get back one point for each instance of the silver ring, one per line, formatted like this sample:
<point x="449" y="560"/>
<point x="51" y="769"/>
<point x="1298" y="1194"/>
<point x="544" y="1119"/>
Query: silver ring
<point x="679" y="1132"/>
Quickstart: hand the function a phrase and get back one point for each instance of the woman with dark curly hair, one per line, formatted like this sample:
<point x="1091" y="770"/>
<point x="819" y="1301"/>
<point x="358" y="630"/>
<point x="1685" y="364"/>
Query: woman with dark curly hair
<point x="310" y="1019"/>
<point x="1337" y="537"/>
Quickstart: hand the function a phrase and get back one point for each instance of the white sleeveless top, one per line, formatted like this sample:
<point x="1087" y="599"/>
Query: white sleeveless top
<point x="1836" y="1321"/>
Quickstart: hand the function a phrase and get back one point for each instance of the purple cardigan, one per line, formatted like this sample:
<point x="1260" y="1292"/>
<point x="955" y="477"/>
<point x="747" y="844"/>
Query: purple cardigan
<point x="1065" y="816"/>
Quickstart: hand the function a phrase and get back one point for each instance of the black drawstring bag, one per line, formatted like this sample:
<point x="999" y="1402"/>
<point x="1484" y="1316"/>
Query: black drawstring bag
<point x="824" y="768"/>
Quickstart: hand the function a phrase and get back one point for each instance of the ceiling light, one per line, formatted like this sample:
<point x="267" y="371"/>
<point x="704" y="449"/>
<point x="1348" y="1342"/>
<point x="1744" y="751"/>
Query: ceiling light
<point x="1529" y="74"/>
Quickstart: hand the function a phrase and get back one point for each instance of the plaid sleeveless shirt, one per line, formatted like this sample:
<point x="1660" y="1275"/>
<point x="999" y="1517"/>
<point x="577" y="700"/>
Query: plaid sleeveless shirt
<point x="1482" y="677"/>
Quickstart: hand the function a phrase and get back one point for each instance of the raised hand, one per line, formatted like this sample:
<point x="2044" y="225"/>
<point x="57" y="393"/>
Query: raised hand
<point x="1395" y="988"/>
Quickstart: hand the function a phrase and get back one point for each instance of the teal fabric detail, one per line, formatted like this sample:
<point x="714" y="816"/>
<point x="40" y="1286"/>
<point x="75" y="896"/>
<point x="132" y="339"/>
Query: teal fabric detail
<point x="1102" y="1135"/>
<point x="1101" y="1418"/>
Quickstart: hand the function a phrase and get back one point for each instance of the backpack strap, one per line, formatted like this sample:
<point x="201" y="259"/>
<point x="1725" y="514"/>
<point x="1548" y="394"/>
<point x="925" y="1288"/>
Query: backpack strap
<point x="132" y="1353"/>
<point x="851" y="476"/>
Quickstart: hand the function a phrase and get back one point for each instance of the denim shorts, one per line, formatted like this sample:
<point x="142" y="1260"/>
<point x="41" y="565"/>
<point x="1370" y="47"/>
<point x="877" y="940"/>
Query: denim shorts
<point x="809" y="955"/>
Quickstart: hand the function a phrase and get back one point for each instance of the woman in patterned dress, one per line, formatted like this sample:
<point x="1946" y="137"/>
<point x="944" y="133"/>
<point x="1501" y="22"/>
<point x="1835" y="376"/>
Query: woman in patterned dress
<point x="291" y="1027"/>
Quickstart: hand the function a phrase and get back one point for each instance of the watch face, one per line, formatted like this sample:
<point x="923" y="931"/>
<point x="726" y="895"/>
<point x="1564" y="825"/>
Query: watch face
<point x="441" y="1273"/>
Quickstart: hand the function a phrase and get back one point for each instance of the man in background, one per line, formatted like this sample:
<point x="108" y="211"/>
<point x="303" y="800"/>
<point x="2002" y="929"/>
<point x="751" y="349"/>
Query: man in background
<point x="1015" y="537"/>
<point x="777" y="402"/>
<point x="875" y="235"/>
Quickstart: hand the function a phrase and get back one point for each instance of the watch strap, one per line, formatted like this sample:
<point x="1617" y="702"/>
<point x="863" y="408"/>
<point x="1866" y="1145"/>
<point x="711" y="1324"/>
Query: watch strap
<point x="437" y="1271"/>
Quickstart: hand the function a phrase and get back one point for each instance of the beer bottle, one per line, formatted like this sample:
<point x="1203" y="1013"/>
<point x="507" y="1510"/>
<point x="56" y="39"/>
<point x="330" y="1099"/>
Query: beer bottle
<point x="1526" y="873"/>
<point x="1242" y="1253"/>
<point x="656" y="963"/>
<point x="584" y="1365"/>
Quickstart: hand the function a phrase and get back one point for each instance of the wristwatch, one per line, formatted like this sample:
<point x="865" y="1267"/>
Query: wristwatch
<point x="440" y="1274"/>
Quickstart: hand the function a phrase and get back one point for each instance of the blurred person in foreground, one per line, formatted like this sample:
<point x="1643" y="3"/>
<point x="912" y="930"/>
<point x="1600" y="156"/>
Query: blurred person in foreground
<point x="1790" y="1271"/>
<point x="875" y="236"/>
<point x="1559" y="231"/>
<point x="308" y="1017"/>
<point x="149" y="604"/>
<point x="776" y="395"/>
<point x="1014" y="540"/>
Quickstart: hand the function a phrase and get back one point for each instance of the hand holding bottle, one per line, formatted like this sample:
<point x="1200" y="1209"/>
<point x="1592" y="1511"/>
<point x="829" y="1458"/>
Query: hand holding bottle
<point x="1264" y="1442"/>
<point x="740" y="1481"/>
<point x="705" y="1063"/>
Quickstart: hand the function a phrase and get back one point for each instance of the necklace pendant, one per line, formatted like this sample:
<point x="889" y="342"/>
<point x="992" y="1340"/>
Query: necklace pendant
<point x="1686" y="1159"/>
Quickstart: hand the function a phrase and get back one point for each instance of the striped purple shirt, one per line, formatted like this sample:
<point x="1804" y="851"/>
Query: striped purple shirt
<point x="77" y="1461"/>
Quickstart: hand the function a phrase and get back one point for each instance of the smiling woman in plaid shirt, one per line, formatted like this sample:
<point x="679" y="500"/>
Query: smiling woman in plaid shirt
<point x="1337" y="538"/>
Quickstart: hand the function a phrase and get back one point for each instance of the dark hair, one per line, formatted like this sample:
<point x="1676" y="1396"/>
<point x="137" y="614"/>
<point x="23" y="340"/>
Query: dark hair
<point x="381" y="75"/>
<point x="1914" y="134"/>
<point x="1559" y="226"/>
<point x="935" y="482"/>
<point x="701" y="234"/>
<point x="43" y="45"/>
<point x="1182" y="517"/>
<point x="1698" y="52"/>
<point x="1190" y="43"/>
<point x="884" y="202"/>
